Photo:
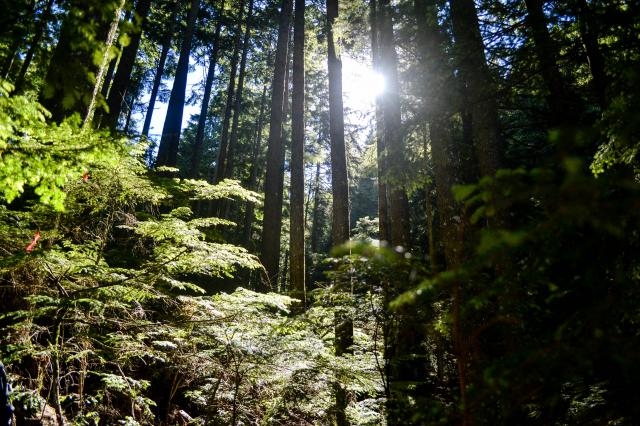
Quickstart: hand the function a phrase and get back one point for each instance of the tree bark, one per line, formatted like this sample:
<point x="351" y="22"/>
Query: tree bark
<point x="340" y="188"/>
<point x="339" y="178"/>
<point x="589" y="34"/>
<point x="285" y="273"/>
<point x="253" y="177"/>
<point x="286" y="109"/>
<point x="307" y="198"/>
<point x="446" y="160"/>
<point x="10" y="58"/>
<point x="166" y="46"/>
<point x="315" y="223"/>
<point x="130" y="106"/>
<point x="122" y="78"/>
<point x="237" y="109"/>
<point x="270" y="254"/>
<point x="68" y="86"/>
<point x="445" y="151"/>
<point x="296" y="207"/>
<point x="111" y="36"/>
<point x="168" y="150"/>
<point x="114" y="62"/>
<point x="35" y="44"/>
<point x="431" y="232"/>
<point x="562" y="103"/>
<point x="383" y="204"/>
<point x="469" y="51"/>
<point x="109" y="77"/>
<point x="206" y="98"/>
<point x="221" y="164"/>
<point x="17" y="33"/>
<point x="393" y="139"/>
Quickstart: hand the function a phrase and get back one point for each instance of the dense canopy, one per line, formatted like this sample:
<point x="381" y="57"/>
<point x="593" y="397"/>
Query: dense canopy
<point x="341" y="212"/>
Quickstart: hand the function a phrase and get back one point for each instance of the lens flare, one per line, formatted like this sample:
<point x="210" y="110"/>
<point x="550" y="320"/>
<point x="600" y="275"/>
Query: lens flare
<point x="361" y="84"/>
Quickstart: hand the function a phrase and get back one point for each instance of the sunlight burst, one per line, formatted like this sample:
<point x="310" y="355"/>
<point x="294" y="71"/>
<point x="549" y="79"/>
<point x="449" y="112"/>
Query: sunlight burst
<point x="361" y="84"/>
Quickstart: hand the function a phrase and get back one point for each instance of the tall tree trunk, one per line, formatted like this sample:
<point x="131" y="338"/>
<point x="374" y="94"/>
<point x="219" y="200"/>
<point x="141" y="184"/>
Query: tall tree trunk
<point x="428" y="207"/>
<point x="446" y="159"/>
<point x="130" y="106"/>
<point x="237" y="109"/>
<point x="168" y="150"/>
<point x="270" y="254"/>
<point x="307" y="199"/>
<point x="403" y="335"/>
<point x="68" y="86"/>
<point x="444" y="150"/>
<point x="339" y="178"/>
<point x="114" y="62"/>
<point x="296" y="207"/>
<point x="429" y="211"/>
<point x="340" y="188"/>
<point x="431" y="232"/>
<point x="206" y="99"/>
<point x="111" y="36"/>
<point x="10" y="58"/>
<point x="315" y="223"/>
<point x="109" y="77"/>
<point x="166" y="46"/>
<point x="40" y="32"/>
<point x="384" y="225"/>
<point x="469" y="50"/>
<point x="253" y="177"/>
<point x="17" y="34"/>
<point x="122" y="79"/>
<point x="286" y="134"/>
<point x="393" y="140"/>
<point x="589" y="34"/>
<point x="221" y="164"/>
<point x="285" y="272"/>
<point x="562" y="103"/>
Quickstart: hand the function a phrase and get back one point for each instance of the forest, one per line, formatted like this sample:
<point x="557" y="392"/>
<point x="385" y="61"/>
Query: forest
<point x="319" y="212"/>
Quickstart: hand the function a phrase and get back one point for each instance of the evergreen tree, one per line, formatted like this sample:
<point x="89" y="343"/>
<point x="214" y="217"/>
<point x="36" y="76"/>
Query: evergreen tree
<point x="272" y="222"/>
<point x="157" y="80"/>
<point x="122" y="78"/>
<point x="168" y="149"/>
<point x="206" y="98"/>
<point x="297" y="227"/>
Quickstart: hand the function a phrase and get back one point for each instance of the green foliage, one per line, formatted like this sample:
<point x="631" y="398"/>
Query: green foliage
<point x="107" y="318"/>
<point x="133" y="308"/>
<point x="43" y="156"/>
<point x="555" y="282"/>
<point x="366" y="229"/>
